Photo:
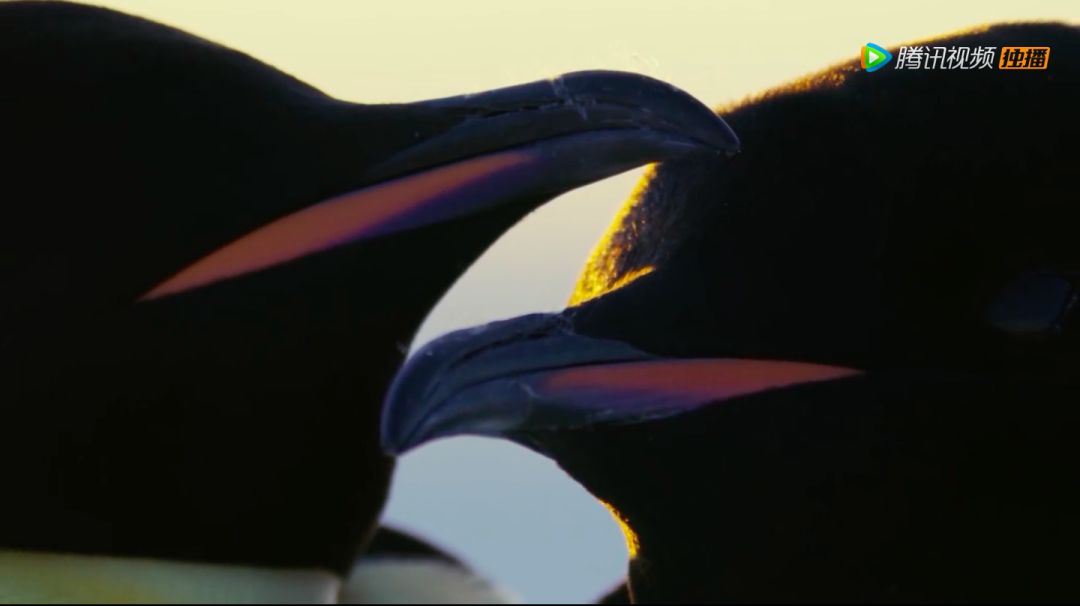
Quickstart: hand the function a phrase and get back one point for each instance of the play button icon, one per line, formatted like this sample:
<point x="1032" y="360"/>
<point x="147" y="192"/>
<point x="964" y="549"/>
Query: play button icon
<point x="873" y="57"/>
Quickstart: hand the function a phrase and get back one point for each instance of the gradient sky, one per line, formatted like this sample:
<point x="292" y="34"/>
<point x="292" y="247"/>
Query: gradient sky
<point x="510" y="513"/>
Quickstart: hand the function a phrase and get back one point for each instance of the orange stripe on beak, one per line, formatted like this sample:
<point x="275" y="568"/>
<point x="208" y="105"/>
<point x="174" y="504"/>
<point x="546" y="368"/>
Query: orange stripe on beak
<point x="689" y="382"/>
<point x="356" y="215"/>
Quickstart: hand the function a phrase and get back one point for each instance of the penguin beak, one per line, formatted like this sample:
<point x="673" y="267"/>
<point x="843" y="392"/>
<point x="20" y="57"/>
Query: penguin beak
<point x="522" y="144"/>
<point x="535" y="141"/>
<point x="534" y="373"/>
<point x="647" y="118"/>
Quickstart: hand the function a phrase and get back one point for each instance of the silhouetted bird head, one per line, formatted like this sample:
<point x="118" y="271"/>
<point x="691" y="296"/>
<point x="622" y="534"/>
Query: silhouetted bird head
<point x="837" y="365"/>
<point x="210" y="272"/>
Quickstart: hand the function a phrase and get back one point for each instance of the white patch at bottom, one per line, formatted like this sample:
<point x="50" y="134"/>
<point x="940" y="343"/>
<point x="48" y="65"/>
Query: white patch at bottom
<point x="418" y="581"/>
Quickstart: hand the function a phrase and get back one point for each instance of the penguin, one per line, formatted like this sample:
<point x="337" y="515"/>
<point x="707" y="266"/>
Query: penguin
<point x="842" y="365"/>
<point x="210" y="271"/>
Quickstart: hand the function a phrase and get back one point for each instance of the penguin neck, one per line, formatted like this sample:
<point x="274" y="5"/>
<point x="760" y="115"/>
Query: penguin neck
<point x="662" y="575"/>
<point x="59" y="578"/>
<point x="662" y="506"/>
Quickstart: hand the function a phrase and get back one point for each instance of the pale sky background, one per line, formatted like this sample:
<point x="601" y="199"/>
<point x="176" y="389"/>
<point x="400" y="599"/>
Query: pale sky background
<point x="511" y="514"/>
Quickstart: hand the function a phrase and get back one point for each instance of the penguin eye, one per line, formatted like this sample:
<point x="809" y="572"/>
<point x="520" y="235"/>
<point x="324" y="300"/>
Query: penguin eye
<point x="1034" y="304"/>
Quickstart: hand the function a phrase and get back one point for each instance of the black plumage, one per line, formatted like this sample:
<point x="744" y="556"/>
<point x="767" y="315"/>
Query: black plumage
<point x="907" y="237"/>
<point x="166" y="395"/>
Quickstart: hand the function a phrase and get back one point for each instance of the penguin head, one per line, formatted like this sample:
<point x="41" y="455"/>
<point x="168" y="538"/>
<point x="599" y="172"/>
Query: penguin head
<point x="154" y="164"/>
<point x="871" y="221"/>
<point x="882" y="239"/>
<point x="211" y="271"/>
